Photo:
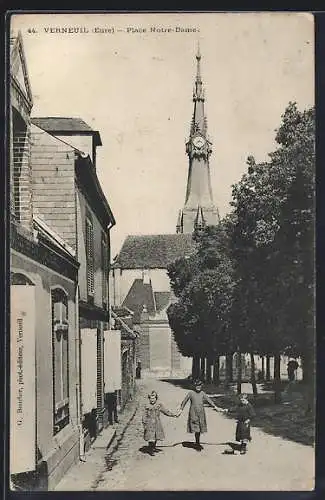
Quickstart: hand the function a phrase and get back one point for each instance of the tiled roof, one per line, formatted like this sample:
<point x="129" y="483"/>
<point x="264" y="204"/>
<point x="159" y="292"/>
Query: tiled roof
<point x="61" y="124"/>
<point x="153" y="251"/>
<point x="126" y="331"/>
<point x="140" y="294"/>
<point x="162" y="300"/>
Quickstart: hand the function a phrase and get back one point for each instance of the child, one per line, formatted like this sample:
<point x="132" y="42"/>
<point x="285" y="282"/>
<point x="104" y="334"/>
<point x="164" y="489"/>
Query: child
<point x="196" y="417"/>
<point x="153" y="429"/>
<point x="245" y="412"/>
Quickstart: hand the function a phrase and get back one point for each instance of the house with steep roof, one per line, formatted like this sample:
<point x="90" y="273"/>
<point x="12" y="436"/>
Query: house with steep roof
<point x="73" y="131"/>
<point x="148" y="256"/>
<point x="140" y="283"/>
<point x="44" y="422"/>
<point x="60" y="255"/>
<point x="68" y="196"/>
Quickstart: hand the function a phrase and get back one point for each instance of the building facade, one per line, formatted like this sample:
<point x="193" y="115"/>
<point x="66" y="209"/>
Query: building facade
<point x="59" y="307"/>
<point x="140" y="283"/>
<point x="67" y="195"/>
<point x="44" y="431"/>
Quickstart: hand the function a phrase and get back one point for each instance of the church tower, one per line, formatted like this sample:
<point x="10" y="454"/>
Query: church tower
<point x="199" y="209"/>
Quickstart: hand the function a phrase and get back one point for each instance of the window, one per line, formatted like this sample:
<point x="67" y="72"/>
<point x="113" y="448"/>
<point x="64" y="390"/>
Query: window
<point x="104" y="271"/>
<point x="60" y="355"/>
<point x="90" y="256"/>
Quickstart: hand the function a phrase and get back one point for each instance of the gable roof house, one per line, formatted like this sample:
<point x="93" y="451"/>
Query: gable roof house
<point x="68" y="195"/>
<point x="43" y="311"/>
<point x="140" y="283"/>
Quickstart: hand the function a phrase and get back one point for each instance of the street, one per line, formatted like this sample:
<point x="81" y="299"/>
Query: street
<point x="271" y="463"/>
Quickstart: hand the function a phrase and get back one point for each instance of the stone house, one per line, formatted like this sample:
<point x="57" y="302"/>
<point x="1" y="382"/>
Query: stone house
<point x="44" y="429"/>
<point x="68" y="196"/>
<point x="139" y="282"/>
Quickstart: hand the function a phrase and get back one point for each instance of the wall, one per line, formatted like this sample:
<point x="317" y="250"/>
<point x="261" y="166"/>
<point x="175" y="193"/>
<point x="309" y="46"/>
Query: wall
<point x="21" y="174"/>
<point x="94" y="422"/>
<point x="158" y="350"/>
<point x="128" y="371"/>
<point x="59" y="451"/>
<point x="120" y="283"/>
<point x="52" y="164"/>
<point x="83" y="143"/>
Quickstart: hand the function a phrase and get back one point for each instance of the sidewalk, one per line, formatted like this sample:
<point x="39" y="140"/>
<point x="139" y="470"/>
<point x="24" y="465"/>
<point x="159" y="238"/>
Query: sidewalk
<point x="85" y="475"/>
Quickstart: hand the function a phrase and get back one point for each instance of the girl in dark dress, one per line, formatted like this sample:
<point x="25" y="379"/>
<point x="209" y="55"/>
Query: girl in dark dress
<point x="245" y="412"/>
<point x="196" y="422"/>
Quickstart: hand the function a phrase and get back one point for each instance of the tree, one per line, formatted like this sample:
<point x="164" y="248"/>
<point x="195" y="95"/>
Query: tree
<point x="203" y="287"/>
<point x="272" y="234"/>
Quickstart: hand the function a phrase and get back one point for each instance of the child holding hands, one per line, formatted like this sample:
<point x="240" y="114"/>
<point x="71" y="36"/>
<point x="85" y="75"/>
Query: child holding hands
<point x="196" y="422"/>
<point x="245" y="412"/>
<point x="153" y="429"/>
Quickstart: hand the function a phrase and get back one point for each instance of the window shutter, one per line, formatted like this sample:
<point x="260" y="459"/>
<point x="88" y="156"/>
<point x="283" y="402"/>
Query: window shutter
<point x="104" y="271"/>
<point x="60" y="360"/>
<point x="100" y="379"/>
<point x="90" y="256"/>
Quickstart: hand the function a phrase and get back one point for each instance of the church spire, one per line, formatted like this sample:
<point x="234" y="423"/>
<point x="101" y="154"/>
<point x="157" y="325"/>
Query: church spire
<point x="198" y="93"/>
<point x="199" y="119"/>
<point x="198" y="199"/>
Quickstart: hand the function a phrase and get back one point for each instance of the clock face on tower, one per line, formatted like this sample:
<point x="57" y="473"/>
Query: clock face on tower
<point x="198" y="142"/>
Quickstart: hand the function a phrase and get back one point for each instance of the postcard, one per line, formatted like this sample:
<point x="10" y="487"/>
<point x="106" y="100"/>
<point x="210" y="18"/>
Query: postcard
<point x="162" y="185"/>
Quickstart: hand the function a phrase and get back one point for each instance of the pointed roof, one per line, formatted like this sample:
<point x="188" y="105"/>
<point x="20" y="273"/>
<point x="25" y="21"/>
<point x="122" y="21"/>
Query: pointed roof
<point x="199" y="123"/>
<point x="199" y="208"/>
<point x="198" y="93"/>
<point x="140" y="295"/>
<point x="162" y="300"/>
<point x="18" y="66"/>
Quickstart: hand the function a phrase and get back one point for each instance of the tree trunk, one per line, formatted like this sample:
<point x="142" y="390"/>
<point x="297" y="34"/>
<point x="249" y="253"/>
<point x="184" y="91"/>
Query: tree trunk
<point x="229" y="375"/>
<point x="277" y="379"/>
<point x="253" y="378"/>
<point x="195" y="366"/>
<point x="268" y="371"/>
<point x="239" y="371"/>
<point x="208" y="377"/>
<point x="263" y="368"/>
<point x="216" y="371"/>
<point x="202" y="371"/>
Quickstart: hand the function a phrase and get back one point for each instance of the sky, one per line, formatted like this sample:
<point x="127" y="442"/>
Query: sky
<point x="135" y="88"/>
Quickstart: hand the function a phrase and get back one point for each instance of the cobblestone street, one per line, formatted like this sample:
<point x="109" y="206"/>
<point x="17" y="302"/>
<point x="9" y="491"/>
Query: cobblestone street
<point x="272" y="463"/>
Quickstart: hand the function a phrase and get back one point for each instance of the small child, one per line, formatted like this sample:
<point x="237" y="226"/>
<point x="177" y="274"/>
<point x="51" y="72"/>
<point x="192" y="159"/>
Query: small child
<point x="153" y="429"/>
<point x="245" y="412"/>
<point x="196" y="422"/>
